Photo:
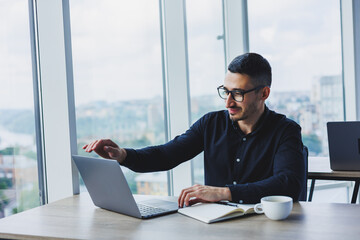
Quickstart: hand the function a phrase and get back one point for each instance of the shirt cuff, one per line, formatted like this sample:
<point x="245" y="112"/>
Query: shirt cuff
<point x="130" y="158"/>
<point x="239" y="193"/>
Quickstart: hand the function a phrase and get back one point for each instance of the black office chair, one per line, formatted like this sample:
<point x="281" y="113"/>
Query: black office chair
<point x="303" y="193"/>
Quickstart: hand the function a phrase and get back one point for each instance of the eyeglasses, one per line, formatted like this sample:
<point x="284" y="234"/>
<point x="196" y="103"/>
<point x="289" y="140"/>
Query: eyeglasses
<point x="237" y="95"/>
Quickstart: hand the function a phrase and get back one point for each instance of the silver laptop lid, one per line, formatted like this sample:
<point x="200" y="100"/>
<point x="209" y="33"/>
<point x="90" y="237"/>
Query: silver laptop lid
<point x="107" y="185"/>
<point x="344" y="145"/>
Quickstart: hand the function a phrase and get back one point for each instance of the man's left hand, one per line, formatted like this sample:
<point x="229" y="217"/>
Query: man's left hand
<point x="203" y="193"/>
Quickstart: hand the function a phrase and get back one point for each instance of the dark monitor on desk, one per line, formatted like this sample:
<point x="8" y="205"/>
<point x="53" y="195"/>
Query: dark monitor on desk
<point x="344" y="145"/>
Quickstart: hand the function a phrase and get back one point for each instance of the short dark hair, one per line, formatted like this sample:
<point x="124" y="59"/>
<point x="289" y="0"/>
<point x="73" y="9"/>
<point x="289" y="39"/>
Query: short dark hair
<point x="253" y="65"/>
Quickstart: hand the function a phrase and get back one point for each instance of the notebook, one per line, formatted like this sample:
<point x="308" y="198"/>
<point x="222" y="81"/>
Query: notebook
<point x="108" y="189"/>
<point x="215" y="212"/>
<point x="344" y="145"/>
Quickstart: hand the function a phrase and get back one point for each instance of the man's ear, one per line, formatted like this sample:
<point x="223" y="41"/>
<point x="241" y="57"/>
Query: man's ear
<point x="265" y="93"/>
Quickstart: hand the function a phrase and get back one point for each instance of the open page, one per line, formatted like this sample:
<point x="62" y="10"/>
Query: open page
<point x="213" y="212"/>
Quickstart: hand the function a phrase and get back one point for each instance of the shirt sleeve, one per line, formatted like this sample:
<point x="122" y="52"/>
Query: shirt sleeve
<point x="288" y="172"/>
<point x="167" y="156"/>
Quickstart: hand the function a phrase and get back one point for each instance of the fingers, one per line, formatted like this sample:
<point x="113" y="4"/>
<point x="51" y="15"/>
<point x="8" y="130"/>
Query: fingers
<point x="98" y="145"/>
<point x="186" y="194"/>
<point x="202" y="193"/>
<point x="195" y="197"/>
<point x="106" y="148"/>
<point x="113" y="152"/>
<point x="197" y="200"/>
<point x="182" y="196"/>
<point x="89" y="148"/>
<point x="108" y="142"/>
<point x="188" y="197"/>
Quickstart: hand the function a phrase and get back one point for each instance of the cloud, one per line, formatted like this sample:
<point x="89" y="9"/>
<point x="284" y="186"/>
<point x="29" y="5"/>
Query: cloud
<point x="16" y="80"/>
<point x="301" y="38"/>
<point x="116" y="46"/>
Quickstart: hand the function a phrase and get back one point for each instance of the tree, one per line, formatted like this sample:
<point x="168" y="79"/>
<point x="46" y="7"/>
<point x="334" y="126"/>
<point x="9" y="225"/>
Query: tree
<point x="28" y="199"/>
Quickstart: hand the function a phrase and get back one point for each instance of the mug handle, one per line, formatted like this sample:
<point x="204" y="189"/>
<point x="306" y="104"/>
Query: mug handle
<point x="258" y="208"/>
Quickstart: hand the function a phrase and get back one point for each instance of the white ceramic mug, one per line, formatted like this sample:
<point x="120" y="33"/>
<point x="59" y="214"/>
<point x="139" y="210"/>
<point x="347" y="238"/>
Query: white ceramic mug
<point x="275" y="207"/>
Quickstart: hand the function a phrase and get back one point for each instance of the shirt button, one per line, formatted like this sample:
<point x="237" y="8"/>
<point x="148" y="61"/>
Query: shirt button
<point x="238" y="160"/>
<point x="234" y="182"/>
<point x="244" y="139"/>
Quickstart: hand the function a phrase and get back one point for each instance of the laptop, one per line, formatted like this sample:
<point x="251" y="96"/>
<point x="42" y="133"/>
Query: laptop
<point x="109" y="189"/>
<point x="344" y="145"/>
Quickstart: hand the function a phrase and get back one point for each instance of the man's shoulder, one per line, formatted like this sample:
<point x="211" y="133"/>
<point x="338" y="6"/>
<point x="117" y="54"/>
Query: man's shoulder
<point x="282" y="120"/>
<point x="214" y="118"/>
<point x="215" y="114"/>
<point x="210" y="121"/>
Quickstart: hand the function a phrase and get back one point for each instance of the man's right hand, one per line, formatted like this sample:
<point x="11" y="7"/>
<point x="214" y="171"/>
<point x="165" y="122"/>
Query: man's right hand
<point x="106" y="149"/>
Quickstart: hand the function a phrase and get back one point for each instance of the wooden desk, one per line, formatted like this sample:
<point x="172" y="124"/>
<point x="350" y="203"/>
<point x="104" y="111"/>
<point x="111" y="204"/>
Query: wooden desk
<point x="77" y="218"/>
<point x="319" y="168"/>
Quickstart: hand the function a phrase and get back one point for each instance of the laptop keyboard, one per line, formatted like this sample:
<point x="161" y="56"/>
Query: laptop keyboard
<point x="149" y="211"/>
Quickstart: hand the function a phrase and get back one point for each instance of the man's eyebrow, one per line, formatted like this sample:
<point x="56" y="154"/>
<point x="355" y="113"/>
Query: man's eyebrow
<point x="235" y="89"/>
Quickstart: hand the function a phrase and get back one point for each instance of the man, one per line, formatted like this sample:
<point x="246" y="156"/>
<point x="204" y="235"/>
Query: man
<point x="249" y="151"/>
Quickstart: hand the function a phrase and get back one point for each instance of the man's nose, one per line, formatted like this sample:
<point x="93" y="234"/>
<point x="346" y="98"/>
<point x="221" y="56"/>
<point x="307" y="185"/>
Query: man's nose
<point x="229" y="102"/>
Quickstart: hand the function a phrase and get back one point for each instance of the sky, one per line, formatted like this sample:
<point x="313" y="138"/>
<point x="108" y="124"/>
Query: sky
<point x="15" y="61"/>
<point x="300" y="38"/>
<point x="117" y="51"/>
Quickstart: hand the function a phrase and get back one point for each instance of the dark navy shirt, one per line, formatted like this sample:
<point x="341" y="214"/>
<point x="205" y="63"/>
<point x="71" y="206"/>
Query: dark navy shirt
<point x="268" y="161"/>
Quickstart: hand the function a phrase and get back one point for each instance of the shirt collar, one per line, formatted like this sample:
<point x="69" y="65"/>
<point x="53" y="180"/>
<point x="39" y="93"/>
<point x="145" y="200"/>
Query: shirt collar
<point x="260" y="122"/>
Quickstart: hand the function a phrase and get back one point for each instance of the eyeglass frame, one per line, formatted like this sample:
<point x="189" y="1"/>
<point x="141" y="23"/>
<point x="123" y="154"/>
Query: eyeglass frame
<point x="242" y="92"/>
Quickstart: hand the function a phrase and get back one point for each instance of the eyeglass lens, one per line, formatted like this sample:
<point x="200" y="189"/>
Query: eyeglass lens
<point x="237" y="96"/>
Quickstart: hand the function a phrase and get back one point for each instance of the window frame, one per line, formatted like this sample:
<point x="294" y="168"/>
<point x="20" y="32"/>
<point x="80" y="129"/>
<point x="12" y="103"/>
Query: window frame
<point x="51" y="31"/>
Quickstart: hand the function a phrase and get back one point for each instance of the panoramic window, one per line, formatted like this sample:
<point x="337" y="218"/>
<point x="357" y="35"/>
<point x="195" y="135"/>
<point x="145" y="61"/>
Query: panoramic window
<point x="304" y="50"/>
<point x="206" y="63"/>
<point x="118" y="79"/>
<point x="302" y="41"/>
<point x="19" y="188"/>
